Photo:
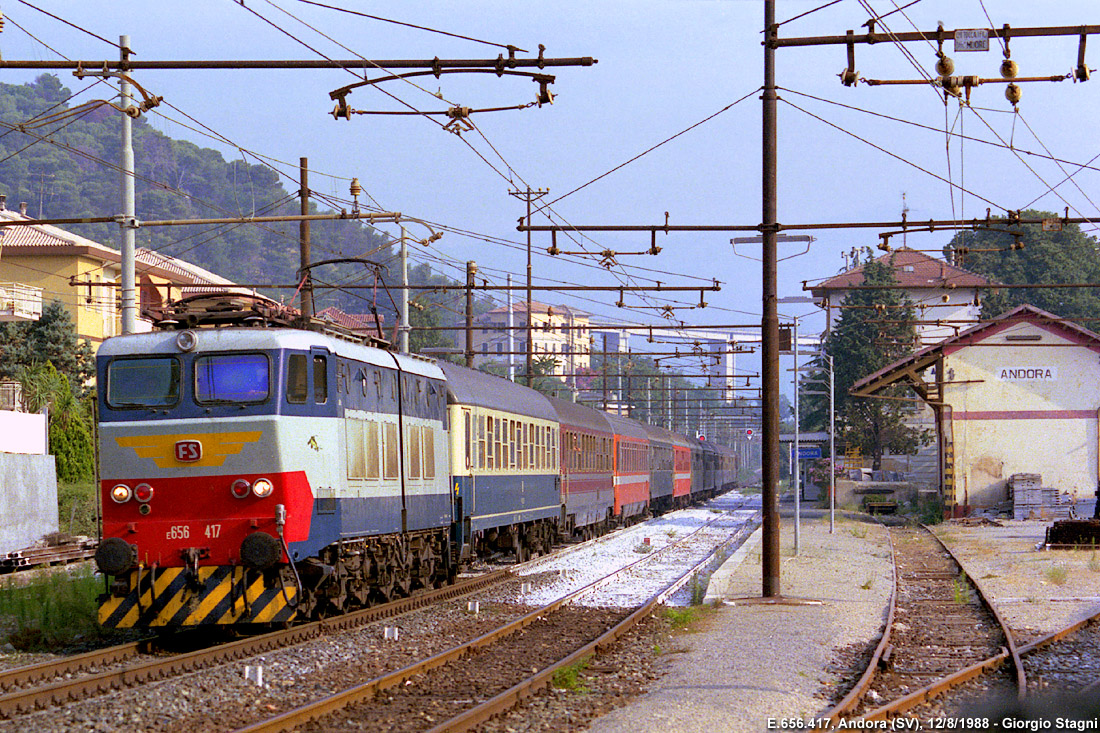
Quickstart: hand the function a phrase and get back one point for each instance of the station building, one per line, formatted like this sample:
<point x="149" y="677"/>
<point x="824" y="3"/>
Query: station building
<point x="1016" y="395"/>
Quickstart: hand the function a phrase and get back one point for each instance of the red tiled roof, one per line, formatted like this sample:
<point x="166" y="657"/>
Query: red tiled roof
<point x="912" y="269"/>
<point x="357" y="322"/>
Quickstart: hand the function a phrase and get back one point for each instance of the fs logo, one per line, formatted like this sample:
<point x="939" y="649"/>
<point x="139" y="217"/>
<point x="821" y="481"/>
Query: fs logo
<point x="188" y="451"/>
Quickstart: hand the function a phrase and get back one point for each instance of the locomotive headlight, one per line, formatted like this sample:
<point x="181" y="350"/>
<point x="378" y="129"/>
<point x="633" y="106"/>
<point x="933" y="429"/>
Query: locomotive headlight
<point x="121" y="493"/>
<point x="143" y="493"/>
<point x="262" y="488"/>
<point x="240" y="488"/>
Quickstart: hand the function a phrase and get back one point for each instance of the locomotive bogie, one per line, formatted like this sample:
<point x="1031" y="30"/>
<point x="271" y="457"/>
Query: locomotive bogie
<point x="211" y="594"/>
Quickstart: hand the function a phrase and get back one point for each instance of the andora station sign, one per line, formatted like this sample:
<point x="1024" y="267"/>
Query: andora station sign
<point x="1028" y="374"/>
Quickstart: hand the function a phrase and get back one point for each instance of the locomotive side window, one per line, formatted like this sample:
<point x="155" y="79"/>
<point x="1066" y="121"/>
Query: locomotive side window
<point x="320" y="380"/>
<point x="389" y="446"/>
<point x="413" y="451"/>
<point x="153" y="382"/>
<point x="429" y="453"/>
<point x="357" y="465"/>
<point x="231" y="378"/>
<point x="296" y="379"/>
<point x="370" y="449"/>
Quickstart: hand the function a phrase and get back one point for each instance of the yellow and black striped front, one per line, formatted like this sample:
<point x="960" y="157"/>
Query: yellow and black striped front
<point x="217" y="595"/>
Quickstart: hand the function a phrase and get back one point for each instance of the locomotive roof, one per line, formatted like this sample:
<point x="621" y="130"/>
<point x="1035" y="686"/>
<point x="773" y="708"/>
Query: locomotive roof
<point x="471" y="387"/>
<point x="580" y="416"/>
<point x="629" y="428"/>
<point x="265" y="339"/>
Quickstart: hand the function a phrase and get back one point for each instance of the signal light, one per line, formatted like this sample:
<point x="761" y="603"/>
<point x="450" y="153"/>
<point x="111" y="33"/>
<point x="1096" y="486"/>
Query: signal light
<point x="121" y="494"/>
<point x="240" y="488"/>
<point x="262" y="488"/>
<point x="143" y="493"/>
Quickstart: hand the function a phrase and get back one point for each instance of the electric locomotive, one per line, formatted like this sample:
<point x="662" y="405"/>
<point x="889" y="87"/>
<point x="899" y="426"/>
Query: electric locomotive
<point x="260" y="475"/>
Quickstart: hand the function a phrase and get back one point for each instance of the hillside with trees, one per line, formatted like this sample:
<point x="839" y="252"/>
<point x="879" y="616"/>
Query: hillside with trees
<point x="62" y="162"/>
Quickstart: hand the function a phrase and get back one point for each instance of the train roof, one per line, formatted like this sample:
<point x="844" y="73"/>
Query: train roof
<point x="471" y="387"/>
<point x="629" y="428"/>
<point x="263" y="339"/>
<point x="656" y="432"/>
<point x="580" y="416"/>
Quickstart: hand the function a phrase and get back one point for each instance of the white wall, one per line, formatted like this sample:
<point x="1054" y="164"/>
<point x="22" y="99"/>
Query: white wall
<point x="22" y="432"/>
<point x="1042" y="420"/>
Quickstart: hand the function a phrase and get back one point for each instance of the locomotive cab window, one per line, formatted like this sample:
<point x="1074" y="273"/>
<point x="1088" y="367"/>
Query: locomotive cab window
<point x="320" y="380"/>
<point x="231" y="378"/>
<point x="297" y="387"/>
<point x="152" y="382"/>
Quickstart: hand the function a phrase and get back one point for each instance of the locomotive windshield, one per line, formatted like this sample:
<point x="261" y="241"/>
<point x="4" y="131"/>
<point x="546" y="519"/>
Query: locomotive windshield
<point x="151" y="382"/>
<point x="231" y="378"/>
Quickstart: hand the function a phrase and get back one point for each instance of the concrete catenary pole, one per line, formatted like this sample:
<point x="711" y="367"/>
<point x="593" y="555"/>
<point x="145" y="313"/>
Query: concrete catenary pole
<point x="127" y="223"/>
<point x="403" y="329"/>
<point x="471" y="270"/>
<point x="769" y="566"/>
<point x="304" y="243"/>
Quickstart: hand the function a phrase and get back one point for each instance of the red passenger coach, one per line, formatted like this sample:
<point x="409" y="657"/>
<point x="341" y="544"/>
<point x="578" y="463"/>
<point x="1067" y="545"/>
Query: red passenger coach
<point x="586" y="463"/>
<point x="631" y="467"/>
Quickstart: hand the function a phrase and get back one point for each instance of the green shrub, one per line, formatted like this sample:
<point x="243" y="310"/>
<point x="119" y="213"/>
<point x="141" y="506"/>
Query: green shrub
<point x="55" y="609"/>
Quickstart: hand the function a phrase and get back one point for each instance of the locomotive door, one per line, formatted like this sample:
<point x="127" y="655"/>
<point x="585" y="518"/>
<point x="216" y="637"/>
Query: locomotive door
<point x="326" y="440"/>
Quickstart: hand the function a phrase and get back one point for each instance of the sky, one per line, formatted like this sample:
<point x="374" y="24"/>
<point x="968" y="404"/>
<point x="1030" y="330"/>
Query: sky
<point x="677" y="78"/>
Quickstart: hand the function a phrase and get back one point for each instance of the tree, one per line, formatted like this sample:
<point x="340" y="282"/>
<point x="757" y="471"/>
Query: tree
<point x="875" y="329"/>
<point x="51" y="339"/>
<point x="70" y="423"/>
<point x="1046" y="257"/>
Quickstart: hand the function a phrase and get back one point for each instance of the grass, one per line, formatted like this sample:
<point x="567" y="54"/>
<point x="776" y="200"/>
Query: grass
<point x="962" y="589"/>
<point x="683" y="618"/>
<point x="698" y="590"/>
<point x="868" y="583"/>
<point x="1057" y="573"/>
<point x="1094" y="563"/>
<point x="76" y="508"/>
<point x="54" y="609"/>
<point x="643" y="548"/>
<point x="570" y="677"/>
<point x="859" y="532"/>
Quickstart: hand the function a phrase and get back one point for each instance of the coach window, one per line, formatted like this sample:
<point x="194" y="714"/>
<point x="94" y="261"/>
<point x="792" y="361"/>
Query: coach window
<point x="468" y="438"/>
<point x="320" y="380"/>
<point x="297" y="386"/>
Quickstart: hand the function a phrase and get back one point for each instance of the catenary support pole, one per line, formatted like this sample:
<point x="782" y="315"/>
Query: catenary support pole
<point x="304" y="243"/>
<point x="471" y="270"/>
<point x="769" y="566"/>
<point x="129" y="215"/>
<point x="403" y="328"/>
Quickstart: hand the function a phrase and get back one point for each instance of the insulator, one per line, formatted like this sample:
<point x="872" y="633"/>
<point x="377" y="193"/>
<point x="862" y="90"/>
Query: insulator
<point x="1009" y="69"/>
<point x="1012" y="94"/>
<point x="849" y="77"/>
<point x="1" y="22"/>
<point x="356" y="189"/>
<point x="945" y="66"/>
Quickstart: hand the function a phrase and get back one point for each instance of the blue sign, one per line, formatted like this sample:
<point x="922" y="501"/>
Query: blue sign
<point x="807" y="452"/>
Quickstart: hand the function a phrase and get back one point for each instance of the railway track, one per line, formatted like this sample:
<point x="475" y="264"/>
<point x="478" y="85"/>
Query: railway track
<point x="941" y="633"/>
<point x="39" y="686"/>
<point x="470" y="682"/>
